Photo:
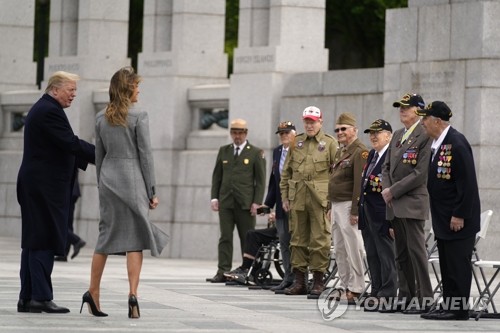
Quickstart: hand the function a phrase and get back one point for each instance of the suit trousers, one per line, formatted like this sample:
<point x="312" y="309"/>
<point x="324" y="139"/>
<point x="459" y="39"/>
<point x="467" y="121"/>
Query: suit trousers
<point x="228" y="219"/>
<point x="72" y="237"/>
<point x="311" y="237"/>
<point x="35" y="274"/>
<point x="456" y="272"/>
<point x="411" y="259"/>
<point x="254" y="239"/>
<point x="348" y="244"/>
<point x="380" y="256"/>
<point x="284" y="237"/>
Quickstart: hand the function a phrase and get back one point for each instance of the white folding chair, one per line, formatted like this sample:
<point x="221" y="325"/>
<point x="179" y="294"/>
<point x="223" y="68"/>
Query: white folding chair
<point x="434" y="257"/>
<point x="486" y="295"/>
<point x="485" y="222"/>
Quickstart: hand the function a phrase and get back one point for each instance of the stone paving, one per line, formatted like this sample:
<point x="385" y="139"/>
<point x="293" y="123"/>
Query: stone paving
<point x="174" y="297"/>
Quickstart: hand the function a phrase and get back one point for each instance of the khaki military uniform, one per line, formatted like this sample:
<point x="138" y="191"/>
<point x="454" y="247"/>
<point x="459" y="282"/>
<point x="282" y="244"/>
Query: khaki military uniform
<point x="304" y="183"/>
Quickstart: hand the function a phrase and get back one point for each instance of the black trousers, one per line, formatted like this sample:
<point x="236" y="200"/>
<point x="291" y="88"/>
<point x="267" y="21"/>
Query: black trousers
<point x="72" y="237"/>
<point x="256" y="238"/>
<point x="381" y="259"/>
<point x="456" y="272"/>
<point x="35" y="274"/>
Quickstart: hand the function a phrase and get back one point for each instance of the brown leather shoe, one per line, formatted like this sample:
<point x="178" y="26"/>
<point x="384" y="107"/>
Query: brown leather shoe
<point x="318" y="283"/>
<point x="352" y="297"/>
<point x="299" y="286"/>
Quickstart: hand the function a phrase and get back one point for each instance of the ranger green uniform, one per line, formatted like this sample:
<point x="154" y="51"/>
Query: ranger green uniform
<point x="304" y="183"/>
<point x="237" y="182"/>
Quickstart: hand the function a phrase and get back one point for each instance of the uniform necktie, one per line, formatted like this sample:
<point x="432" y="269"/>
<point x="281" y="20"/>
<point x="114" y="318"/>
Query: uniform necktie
<point x="282" y="159"/>
<point x="236" y="152"/>
<point x="370" y="168"/>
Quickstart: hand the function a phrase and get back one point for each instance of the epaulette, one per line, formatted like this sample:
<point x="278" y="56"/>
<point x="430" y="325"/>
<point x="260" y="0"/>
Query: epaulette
<point x="330" y="136"/>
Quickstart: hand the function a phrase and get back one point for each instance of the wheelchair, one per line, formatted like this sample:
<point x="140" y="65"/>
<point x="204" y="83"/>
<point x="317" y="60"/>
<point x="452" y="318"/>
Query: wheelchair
<point x="259" y="273"/>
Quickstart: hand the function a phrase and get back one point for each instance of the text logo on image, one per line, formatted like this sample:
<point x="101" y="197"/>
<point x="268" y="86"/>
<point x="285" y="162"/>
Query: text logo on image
<point x="329" y="306"/>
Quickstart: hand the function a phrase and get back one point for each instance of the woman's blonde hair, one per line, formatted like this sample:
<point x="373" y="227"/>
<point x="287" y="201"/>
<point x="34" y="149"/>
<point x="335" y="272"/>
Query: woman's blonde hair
<point x="121" y="88"/>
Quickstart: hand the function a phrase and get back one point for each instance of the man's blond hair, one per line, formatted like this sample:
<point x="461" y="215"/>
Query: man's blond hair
<point x="59" y="78"/>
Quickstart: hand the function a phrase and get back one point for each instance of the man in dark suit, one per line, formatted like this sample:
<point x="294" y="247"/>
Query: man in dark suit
<point x="238" y="185"/>
<point x="375" y="229"/>
<point x="455" y="209"/>
<point x="52" y="152"/>
<point x="286" y="132"/>
<point x="404" y="178"/>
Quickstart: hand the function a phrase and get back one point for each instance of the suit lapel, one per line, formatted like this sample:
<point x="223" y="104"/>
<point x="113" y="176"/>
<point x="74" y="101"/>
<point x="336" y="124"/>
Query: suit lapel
<point x="412" y="141"/>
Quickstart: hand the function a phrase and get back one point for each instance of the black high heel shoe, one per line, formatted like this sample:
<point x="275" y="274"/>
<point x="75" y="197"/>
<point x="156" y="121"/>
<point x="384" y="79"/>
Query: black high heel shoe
<point x="133" y="307"/>
<point x="87" y="298"/>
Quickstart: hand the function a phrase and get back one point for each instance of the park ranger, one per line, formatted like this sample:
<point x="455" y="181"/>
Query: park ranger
<point x="304" y="189"/>
<point x="238" y="185"/>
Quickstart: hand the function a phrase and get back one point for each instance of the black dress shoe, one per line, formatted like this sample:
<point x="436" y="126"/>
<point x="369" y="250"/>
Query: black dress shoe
<point x="23" y="305"/>
<point x="46" y="306"/>
<point x="282" y="286"/>
<point x="60" y="258"/>
<point x="218" y="278"/>
<point x="77" y="247"/>
<point x="444" y="315"/>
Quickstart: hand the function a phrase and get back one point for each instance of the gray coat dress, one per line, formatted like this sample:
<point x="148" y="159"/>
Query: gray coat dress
<point x="126" y="181"/>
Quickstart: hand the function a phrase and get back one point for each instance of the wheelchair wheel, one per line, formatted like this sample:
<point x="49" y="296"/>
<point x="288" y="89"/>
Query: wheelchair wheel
<point x="278" y="263"/>
<point x="263" y="277"/>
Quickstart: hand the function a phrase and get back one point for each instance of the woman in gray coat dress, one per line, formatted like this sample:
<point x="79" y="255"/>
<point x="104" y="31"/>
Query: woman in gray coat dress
<point x="126" y="181"/>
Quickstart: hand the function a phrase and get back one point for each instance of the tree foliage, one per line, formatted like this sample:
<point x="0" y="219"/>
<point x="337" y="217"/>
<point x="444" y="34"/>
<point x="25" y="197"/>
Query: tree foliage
<point x="355" y="32"/>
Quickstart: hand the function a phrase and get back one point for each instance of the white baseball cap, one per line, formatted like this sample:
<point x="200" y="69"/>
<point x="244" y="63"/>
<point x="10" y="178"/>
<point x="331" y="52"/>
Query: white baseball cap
<point x="312" y="112"/>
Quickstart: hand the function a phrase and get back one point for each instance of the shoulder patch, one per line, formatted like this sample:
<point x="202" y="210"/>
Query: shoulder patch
<point x="364" y="155"/>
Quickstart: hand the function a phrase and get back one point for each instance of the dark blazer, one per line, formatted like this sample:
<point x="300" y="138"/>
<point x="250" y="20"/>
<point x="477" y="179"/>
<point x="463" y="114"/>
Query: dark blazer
<point x="240" y="181"/>
<point x="52" y="152"/>
<point x="371" y="197"/>
<point x="458" y="194"/>
<point x="273" y="196"/>
<point x="408" y="181"/>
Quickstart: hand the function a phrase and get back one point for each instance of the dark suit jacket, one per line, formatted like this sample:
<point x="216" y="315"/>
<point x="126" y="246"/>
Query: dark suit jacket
<point x="273" y="196"/>
<point x="52" y="152"/>
<point x="408" y="181"/>
<point x="457" y="196"/>
<point x="371" y="197"/>
<point x="239" y="181"/>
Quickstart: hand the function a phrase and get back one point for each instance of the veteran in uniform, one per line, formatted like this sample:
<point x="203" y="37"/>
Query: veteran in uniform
<point x="404" y="183"/>
<point x="455" y="209"/>
<point x="375" y="229"/>
<point x="304" y="189"/>
<point x="238" y="185"/>
<point x="343" y="194"/>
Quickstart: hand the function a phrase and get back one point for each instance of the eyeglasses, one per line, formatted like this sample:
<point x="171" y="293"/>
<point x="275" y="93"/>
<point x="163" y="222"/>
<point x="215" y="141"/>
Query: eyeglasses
<point x="341" y="129"/>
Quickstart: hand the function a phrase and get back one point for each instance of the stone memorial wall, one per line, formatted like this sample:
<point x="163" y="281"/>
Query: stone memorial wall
<point x="280" y="67"/>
